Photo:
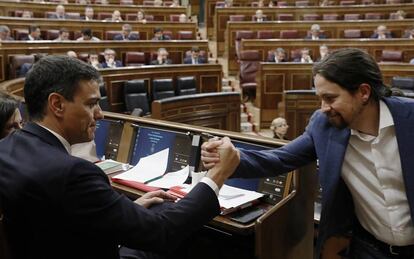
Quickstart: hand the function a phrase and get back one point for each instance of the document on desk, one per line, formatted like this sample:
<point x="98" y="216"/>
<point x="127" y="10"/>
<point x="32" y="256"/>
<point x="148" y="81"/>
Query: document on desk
<point x="171" y="179"/>
<point x="233" y="198"/>
<point x="148" y="168"/>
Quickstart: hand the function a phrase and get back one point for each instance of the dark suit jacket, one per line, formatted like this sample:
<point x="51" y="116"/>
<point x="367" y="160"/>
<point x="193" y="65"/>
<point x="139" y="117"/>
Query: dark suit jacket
<point x="54" y="16"/>
<point x="271" y="58"/>
<point x="167" y="62"/>
<point x="117" y="64"/>
<point x="201" y="60"/>
<point x="328" y="144"/>
<point x="375" y="36"/>
<point x="321" y="37"/>
<point x="59" y="206"/>
<point x="131" y="36"/>
<point x="24" y="69"/>
<point x="163" y="37"/>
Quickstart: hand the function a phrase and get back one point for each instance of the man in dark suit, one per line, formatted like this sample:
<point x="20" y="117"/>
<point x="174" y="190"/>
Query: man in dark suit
<point x="159" y="35"/>
<point x="315" y="33"/>
<point x="89" y="13"/>
<point x="162" y="58"/>
<point x="363" y="140"/>
<point x="59" y="206"/>
<point x="110" y="61"/>
<point x="34" y="33"/>
<point x="126" y="34"/>
<point x="381" y="33"/>
<point x="59" y="14"/>
<point x="278" y="56"/>
<point x="195" y="57"/>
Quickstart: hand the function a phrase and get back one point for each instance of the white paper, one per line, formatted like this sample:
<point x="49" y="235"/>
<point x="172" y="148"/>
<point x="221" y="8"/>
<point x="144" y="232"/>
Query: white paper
<point x="232" y="197"/>
<point x="171" y="179"/>
<point x="148" y="168"/>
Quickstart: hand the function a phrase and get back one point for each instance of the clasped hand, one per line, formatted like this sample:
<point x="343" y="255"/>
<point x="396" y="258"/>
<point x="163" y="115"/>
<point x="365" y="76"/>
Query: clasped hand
<point x="154" y="197"/>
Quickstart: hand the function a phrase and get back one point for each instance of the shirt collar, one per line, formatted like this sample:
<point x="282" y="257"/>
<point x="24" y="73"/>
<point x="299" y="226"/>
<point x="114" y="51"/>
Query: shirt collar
<point x="385" y="120"/>
<point x="64" y="142"/>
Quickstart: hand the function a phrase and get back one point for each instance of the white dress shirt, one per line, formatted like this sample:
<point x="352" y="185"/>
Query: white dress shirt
<point x="372" y="171"/>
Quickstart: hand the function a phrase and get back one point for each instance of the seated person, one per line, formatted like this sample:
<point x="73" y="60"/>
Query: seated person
<point x="63" y="35"/>
<point x="259" y="17"/>
<point x="27" y="14"/>
<point x="159" y="34"/>
<point x="5" y="33"/>
<point x="162" y="58"/>
<point x="409" y="34"/>
<point x="323" y="52"/>
<point x="305" y="56"/>
<point x="412" y="61"/>
<point x="34" y="33"/>
<point x="278" y="56"/>
<point x="399" y="15"/>
<point x="315" y="33"/>
<point x="88" y="14"/>
<point x="93" y="60"/>
<point x="87" y="35"/>
<point x="182" y="18"/>
<point x="10" y="117"/>
<point x="59" y="14"/>
<point x="195" y="57"/>
<point x="381" y="33"/>
<point x="110" y="61"/>
<point x="175" y="3"/>
<point x="260" y="4"/>
<point x="141" y="16"/>
<point x="71" y="54"/>
<point x="27" y="66"/>
<point x="279" y="128"/>
<point x="126" y="33"/>
<point x="158" y="3"/>
<point x="116" y="17"/>
<point x="228" y="3"/>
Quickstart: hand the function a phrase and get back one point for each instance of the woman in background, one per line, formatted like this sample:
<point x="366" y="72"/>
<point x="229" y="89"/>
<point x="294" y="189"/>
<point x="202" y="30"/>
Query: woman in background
<point x="279" y="128"/>
<point x="10" y="117"/>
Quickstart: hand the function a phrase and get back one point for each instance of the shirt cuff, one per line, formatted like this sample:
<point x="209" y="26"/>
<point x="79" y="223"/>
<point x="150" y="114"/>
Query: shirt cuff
<point x="212" y="184"/>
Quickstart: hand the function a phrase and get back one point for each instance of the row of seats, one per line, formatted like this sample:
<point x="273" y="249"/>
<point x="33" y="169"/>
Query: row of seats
<point x="109" y="35"/>
<point x="307" y="3"/>
<point x="137" y="96"/>
<point x="315" y="17"/>
<point x="121" y="2"/>
<point x="99" y="16"/>
<point x="293" y="34"/>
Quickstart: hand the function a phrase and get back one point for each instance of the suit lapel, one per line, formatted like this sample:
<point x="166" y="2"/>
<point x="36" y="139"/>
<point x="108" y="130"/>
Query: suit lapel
<point x="46" y="136"/>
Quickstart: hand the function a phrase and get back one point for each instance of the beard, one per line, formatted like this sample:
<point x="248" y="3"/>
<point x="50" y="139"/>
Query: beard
<point x="336" y="120"/>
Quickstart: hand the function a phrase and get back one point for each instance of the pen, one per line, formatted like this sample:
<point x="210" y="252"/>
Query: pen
<point x="153" y="179"/>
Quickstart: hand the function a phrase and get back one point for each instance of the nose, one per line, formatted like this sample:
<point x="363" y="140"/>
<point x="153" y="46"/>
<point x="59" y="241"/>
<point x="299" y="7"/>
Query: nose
<point x="98" y="113"/>
<point x="325" y="107"/>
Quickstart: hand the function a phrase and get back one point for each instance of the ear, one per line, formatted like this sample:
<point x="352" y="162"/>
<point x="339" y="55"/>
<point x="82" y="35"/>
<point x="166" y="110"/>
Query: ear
<point x="365" y="92"/>
<point x="56" y="104"/>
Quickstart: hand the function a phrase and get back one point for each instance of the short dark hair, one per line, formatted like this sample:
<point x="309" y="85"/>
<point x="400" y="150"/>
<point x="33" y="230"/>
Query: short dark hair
<point x="54" y="74"/>
<point x="158" y="29"/>
<point x="87" y="32"/>
<point x="8" y="104"/>
<point x="351" y="67"/>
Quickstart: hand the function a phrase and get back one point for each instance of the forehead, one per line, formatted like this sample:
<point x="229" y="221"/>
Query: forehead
<point x="324" y="86"/>
<point x="87" y="89"/>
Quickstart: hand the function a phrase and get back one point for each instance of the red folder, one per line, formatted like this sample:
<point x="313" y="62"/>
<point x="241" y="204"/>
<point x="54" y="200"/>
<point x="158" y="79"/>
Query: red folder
<point x="136" y="185"/>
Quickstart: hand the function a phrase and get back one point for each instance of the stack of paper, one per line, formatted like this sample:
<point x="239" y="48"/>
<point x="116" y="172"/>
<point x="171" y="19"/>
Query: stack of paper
<point x="110" y="166"/>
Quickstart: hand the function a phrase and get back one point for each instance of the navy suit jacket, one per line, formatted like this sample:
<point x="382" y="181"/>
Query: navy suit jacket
<point x="321" y="37"/>
<point x="328" y="144"/>
<point x="131" y="36"/>
<point x="59" y="206"/>
<point x="201" y="60"/>
<point x="375" y="36"/>
<point x="117" y="64"/>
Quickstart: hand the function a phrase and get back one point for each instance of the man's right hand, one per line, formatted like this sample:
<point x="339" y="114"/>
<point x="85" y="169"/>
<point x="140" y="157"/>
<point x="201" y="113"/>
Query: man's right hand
<point x="228" y="160"/>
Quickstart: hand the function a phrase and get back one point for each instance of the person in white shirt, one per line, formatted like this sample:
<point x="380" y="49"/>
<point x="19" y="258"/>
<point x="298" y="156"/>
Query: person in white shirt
<point x="315" y="33"/>
<point x="259" y="17"/>
<point x="88" y="14"/>
<point x="63" y="35"/>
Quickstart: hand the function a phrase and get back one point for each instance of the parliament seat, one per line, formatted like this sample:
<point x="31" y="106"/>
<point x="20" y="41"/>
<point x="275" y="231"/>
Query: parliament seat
<point x="174" y="17"/>
<point x="15" y="63"/>
<point x="169" y="34"/>
<point x="352" y="34"/>
<point x="52" y="34"/>
<point x="282" y="4"/>
<point x="352" y="16"/>
<point x="162" y="88"/>
<point x="266" y="34"/>
<point x="103" y="102"/>
<point x="242" y="35"/>
<point x="392" y="56"/>
<point x="393" y="1"/>
<point x="19" y="13"/>
<point x="285" y="17"/>
<point x="406" y="84"/>
<point x="185" y="35"/>
<point x="20" y="34"/>
<point x="249" y="62"/>
<point x="237" y="18"/>
<point x="302" y="3"/>
<point x="295" y="54"/>
<point x="109" y="35"/>
<point x="347" y="2"/>
<point x="311" y="17"/>
<point x="289" y="34"/>
<point x="73" y="15"/>
<point x="126" y="2"/>
<point x="186" y="85"/>
<point x="103" y="15"/>
<point x="134" y="58"/>
<point x="330" y="17"/>
<point x="136" y="96"/>
<point x="373" y="16"/>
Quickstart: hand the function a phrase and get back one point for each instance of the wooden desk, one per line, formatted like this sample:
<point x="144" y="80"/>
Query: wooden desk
<point x="332" y="29"/>
<point x="218" y="110"/>
<point x="146" y="30"/>
<point x="274" y="79"/>
<point x="176" y="49"/>
<point x="373" y="46"/>
<point x="222" y="14"/>
<point x="39" y="9"/>
<point x="289" y="223"/>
